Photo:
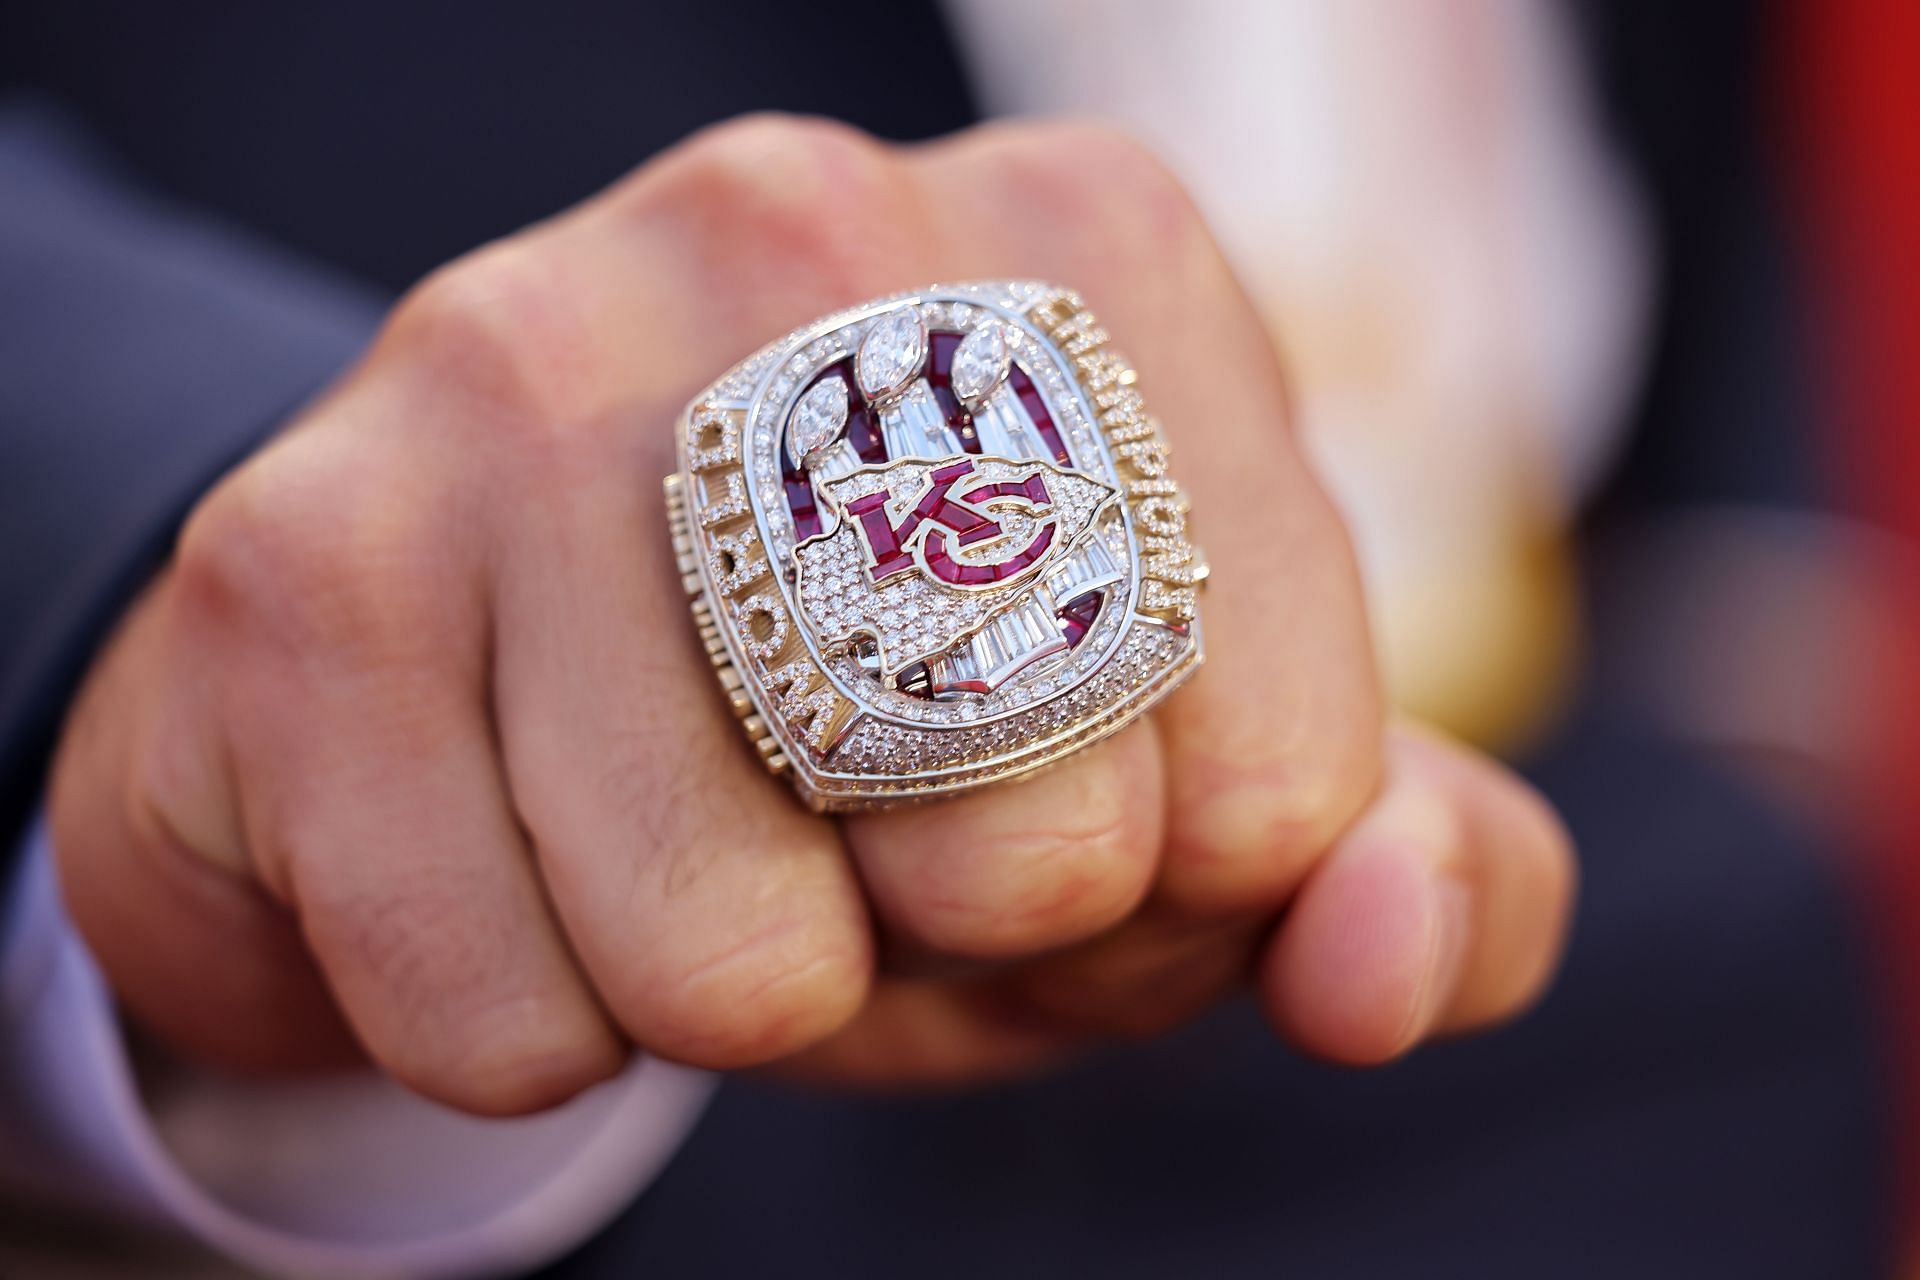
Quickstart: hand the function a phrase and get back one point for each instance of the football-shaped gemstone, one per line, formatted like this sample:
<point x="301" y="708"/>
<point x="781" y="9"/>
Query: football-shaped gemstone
<point x="891" y="354"/>
<point x="980" y="363"/>
<point x="818" y="419"/>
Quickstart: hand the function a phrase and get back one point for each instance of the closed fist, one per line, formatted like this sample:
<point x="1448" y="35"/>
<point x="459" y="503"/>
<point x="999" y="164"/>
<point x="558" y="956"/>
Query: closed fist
<point x="411" y="752"/>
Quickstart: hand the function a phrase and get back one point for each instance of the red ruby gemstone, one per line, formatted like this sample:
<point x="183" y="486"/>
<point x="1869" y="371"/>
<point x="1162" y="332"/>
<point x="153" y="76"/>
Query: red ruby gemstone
<point x="1077" y="615"/>
<point x="1036" y="407"/>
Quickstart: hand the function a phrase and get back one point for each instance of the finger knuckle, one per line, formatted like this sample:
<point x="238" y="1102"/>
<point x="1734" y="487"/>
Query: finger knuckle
<point x="743" y="145"/>
<point x="1251" y="841"/>
<point x="447" y="1010"/>
<point x="782" y="199"/>
<point x="779" y="165"/>
<point x="1103" y="178"/>
<point x="254" y="554"/>
<point x="1098" y="147"/>
<point x="498" y="329"/>
<point x="319" y="554"/>
<point x="1051" y="884"/>
<point x="749" y="1000"/>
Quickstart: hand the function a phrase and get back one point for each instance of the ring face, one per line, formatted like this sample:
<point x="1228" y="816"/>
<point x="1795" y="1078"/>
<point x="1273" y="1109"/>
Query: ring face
<point x="931" y="542"/>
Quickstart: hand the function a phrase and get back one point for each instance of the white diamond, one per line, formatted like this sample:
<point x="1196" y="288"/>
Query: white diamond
<point x="818" y="419"/>
<point x="891" y="354"/>
<point x="980" y="363"/>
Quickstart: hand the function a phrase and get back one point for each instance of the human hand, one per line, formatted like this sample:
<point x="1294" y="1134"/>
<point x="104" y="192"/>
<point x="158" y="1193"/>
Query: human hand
<point x="410" y="751"/>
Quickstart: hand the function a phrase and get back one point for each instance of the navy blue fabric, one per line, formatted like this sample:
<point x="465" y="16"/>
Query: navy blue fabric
<point x="142" y="350"/>
<point x="385" y="138"/>
<point x="1694" y="95"/>
<point x="1699" y="1099"/>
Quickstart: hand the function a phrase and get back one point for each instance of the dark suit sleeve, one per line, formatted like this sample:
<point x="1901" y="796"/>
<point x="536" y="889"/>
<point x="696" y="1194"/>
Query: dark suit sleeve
<point x="143" y="350"/>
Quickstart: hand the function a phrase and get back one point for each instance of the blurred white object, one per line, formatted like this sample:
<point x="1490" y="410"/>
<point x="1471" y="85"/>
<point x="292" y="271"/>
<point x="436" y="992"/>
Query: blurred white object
<point x="1422" y="203"/>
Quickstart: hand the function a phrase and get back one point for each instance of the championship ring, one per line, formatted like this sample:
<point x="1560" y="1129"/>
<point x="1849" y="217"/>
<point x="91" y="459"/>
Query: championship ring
<point x="932" y="542"/>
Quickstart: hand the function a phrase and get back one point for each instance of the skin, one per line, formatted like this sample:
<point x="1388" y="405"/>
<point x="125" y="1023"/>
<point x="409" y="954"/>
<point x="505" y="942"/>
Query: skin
<point x="410" y="753"/>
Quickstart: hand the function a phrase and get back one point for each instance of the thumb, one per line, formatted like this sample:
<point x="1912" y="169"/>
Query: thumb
<point x="1443" y="908"/>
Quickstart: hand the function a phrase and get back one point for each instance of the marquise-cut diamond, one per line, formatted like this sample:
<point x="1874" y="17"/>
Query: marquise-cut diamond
<point x="980" y="363"/>
<point x="891" y="354"/>
<point x="818" y="419"/>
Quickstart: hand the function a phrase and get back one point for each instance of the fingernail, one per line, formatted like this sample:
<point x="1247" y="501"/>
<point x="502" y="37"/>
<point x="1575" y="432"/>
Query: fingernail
<point x="1414" y="825"/>
<point x="1452" y="924"/>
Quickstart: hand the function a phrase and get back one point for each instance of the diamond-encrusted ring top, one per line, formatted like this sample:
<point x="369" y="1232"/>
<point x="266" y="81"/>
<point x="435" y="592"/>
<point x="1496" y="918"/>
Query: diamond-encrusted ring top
<point x="932" y="542"/>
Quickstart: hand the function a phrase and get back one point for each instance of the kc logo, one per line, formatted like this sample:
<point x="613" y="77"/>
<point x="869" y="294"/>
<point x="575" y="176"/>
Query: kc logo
<point x="925" y="552"/>
<point x="951" y="510"/>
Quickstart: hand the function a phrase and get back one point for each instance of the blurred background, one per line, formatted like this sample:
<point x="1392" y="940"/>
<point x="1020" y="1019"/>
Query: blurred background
<point x="1601" y="322"/>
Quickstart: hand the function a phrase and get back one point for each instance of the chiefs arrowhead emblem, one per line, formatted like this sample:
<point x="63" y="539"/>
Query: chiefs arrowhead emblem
<point x="925" y="553"/>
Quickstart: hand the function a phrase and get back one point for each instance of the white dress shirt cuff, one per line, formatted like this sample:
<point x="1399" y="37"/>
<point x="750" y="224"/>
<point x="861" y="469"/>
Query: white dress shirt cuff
<point x="347" y="1176"/>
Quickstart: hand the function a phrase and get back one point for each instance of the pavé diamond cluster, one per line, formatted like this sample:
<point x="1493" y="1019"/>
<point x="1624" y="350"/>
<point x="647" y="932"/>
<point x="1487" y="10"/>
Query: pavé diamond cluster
<point x="932" y="542"/>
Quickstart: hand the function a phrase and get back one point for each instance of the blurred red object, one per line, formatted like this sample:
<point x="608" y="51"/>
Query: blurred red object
<point x="1851" y="74"/>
